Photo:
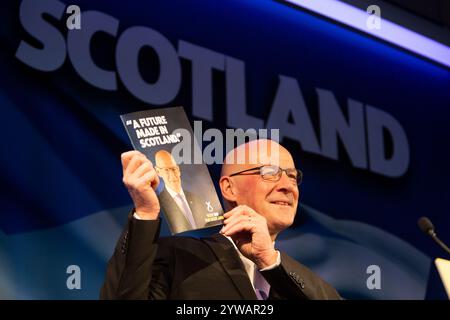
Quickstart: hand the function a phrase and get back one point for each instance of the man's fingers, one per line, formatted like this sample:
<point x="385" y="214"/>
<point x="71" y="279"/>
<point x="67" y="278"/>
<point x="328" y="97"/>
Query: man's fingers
<point x="235" y="216"/>
<point x="134" y="163"/>
<point x="126" y="157"/>
<point x="239" y="227"/>
<point x="239" y="210"/>
<point x="230" y="213"/>
<point x="149" y="178"/>
<point x="230" y="222"/>
<point x="154" y="181"/>
<point x="237" y="220"/>
<point x="142" y="169"/>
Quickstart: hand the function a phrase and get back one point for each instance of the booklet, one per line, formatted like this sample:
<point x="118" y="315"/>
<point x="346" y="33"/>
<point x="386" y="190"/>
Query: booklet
<point x="186" y="192"/>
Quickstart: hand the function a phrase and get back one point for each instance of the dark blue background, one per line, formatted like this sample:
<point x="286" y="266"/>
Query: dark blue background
<point x="62" y="138"/>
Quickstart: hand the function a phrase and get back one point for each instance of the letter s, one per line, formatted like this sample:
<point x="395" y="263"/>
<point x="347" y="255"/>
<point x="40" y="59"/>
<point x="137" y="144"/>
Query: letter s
<point x="53" y="53"/>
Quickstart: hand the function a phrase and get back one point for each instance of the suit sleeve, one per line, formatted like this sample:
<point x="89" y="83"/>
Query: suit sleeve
<point x="139" y="267"/>
<point x="292" y="280"/>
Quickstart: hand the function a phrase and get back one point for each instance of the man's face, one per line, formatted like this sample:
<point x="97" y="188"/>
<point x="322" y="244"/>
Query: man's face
<point x="167" y="168"/>
<point x="275" y="200"/>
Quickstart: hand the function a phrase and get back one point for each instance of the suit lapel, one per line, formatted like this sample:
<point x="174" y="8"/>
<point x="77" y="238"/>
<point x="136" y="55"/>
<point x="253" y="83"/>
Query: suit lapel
<point x="273" y="295"/>
<point x="228" y="257"/>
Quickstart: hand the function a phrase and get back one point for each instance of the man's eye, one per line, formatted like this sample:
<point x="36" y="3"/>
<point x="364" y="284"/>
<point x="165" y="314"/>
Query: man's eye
<point x="292" y="174"/>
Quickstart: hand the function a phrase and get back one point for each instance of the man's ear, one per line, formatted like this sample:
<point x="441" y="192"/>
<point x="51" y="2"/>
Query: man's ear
<point x="227" y="188"/>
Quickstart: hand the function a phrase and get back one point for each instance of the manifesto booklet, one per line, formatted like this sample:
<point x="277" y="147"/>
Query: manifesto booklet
<point x="186" y="192"/>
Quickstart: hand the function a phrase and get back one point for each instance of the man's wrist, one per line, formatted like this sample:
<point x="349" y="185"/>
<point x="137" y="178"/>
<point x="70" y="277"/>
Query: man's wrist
<point x="273" y="260"/>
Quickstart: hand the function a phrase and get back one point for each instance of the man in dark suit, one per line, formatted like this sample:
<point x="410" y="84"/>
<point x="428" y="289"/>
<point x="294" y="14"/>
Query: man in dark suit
<point x="173" y="199"/>
<point x="176" y="216"/>
<point x="240" y="262"/>
<point x="184" y="210"/>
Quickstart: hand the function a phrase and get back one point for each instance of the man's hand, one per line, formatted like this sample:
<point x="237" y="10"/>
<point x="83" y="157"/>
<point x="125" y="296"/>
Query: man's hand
<point x="141" y="180"/>
<point x="249" y="231"/>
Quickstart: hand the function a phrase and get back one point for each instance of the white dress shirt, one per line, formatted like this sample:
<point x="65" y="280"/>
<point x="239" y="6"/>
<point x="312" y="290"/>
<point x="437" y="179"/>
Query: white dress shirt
<point x="256" y="278"/>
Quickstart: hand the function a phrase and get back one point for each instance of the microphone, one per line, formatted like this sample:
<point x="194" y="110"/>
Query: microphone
<point x="427" y="227"/>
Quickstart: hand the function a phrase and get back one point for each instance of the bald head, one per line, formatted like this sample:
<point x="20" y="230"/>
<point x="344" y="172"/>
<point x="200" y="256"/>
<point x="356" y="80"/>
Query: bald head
<point x="164" y="159"/>
<point x="168" y="169"/>
<point x="252" y="153"/>
<point x="275" y="199"/>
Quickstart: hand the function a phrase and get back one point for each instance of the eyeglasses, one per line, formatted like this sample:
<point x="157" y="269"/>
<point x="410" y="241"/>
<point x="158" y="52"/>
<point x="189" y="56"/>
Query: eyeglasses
<point x="273" y="173"/>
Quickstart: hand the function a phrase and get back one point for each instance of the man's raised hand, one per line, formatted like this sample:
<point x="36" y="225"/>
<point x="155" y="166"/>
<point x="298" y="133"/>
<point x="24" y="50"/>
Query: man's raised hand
<point x="141" y="180"/>
<point x="249" y="231"/>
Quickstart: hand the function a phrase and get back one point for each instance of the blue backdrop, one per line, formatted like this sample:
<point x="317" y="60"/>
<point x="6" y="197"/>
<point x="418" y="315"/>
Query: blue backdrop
<point x="63" y="202"/>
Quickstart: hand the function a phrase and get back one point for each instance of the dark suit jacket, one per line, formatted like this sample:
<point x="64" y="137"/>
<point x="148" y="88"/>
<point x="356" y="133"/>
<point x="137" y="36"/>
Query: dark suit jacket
<point x="175" y="217"/>
<point x="145" y="266"/>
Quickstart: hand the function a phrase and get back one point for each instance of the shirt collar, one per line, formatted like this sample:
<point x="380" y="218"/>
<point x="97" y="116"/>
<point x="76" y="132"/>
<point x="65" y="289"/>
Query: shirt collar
<point x="173" y="193"/>
<point x="249" y="265"/>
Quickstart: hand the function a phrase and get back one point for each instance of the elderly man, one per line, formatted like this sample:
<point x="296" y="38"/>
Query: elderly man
<point x="184" y="210"/>
<point x="240" y="262"/>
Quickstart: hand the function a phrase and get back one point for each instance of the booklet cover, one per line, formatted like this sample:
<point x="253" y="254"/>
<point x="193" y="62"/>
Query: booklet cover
<point x="186" y="192"/>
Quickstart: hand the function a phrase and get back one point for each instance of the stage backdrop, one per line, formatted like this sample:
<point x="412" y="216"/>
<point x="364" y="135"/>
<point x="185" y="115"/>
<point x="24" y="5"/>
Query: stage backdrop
<point x="365" y="121"/>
